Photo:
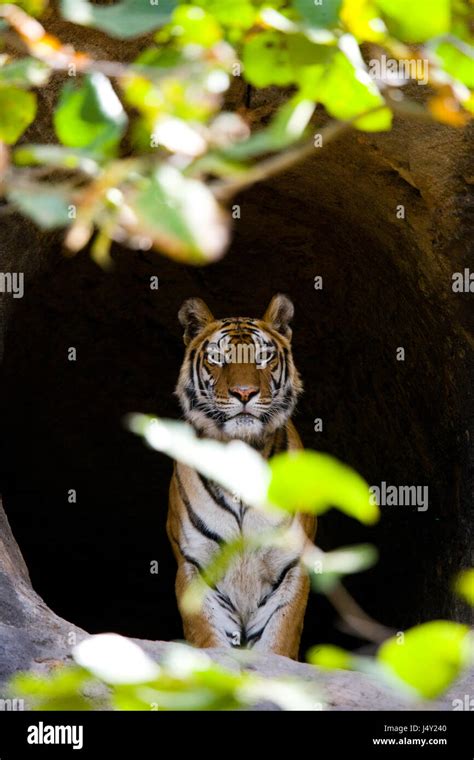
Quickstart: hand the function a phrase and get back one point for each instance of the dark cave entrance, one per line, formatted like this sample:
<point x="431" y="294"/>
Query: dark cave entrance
<point x="394" y="421"/>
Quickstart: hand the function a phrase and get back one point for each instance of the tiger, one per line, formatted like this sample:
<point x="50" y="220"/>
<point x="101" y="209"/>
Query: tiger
<point x="238" y="380"/>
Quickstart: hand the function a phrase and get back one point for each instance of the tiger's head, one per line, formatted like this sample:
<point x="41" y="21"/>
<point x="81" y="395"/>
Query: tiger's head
<point x="238" y="378"/>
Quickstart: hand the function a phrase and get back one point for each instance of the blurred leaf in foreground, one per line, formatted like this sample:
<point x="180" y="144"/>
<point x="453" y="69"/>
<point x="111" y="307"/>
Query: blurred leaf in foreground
<point x="57" y="156"/>
<point x="309" y="481"/>
<point x="124" y="19"/>
<point x="305" y="481"/>
<point x="329" y="657"/>
<point x="118" y="673"/>
<point x="464" y="585"/>
<point x="33" y="7"/>
<point x="180" y="216"/>
<point x="17" y="111"/>
<point x="286" y="127"/>
<point x="26" y="72"/>
<point x="222" y="462"/>
<point x="90" y="116"/>
<point x="457" y="58"/>
<point x="319" y="14"/>
<point x="48" y="207"/>
<point x="428" y="657"/>
<point x="416" y="21"/>
<point x="328" y="568"/>
<point x="347" y="90"/>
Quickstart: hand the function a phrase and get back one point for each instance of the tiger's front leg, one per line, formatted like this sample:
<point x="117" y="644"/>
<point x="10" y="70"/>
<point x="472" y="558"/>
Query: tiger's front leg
<point x="277" y="624"/>
<point x="216" y="624"/>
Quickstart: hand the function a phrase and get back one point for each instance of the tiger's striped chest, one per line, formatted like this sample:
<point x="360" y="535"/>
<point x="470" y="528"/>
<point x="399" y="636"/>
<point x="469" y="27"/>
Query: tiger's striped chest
<point x="209" y="516"/>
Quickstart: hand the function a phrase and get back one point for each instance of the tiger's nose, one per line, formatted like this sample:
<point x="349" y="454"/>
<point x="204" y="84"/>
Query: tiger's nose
<point x="243" y="392"/>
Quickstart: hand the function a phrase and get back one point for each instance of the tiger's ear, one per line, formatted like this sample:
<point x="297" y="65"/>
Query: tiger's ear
<point x="194" y="315"/>
<point x="279" y="314"/>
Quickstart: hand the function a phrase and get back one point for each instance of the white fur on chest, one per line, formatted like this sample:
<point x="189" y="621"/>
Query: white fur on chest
<point x="253" y="572"/>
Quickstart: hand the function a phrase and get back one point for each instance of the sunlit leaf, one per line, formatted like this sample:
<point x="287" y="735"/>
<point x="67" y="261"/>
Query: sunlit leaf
<point x="25" y="72"/>
<point x="180" y="216"/>
<point x="124" y="19"/>
<point x="33" y="7"/>
<point x="162" y="58"/>
<point x="347" y="91"/>
<point x="309" y="481"/>
<point x="17" y="111"/>
<point x="239" y="14"/>
<point x="182" y="98"/>
<point x="62" y="682"/>
<point x="428" y="657"/>
<point x="222" y="462"/>
<point x="287" y="693"/>
<point x="416" y="21"/>
<point x="47" y="205"/>
<point x="468" y="104"/>
<point x="90" y="116"/>
<point x="286" y="127"/>
<point x="115" y="659"/>
<point x="193" y="26"/>
<point x="266" y="60"/>
<point x="274" y="58"/>
<point x="329" y="657"/>
<point x="55" y="155"/>
<point x="100" y="250"/>
<point x="178" y="136"/>
<point x="64" y="704"/>
<point x="464" y="585"/>
<point x="461" y="22"/>
<point x="324" y="13"/>
<point x="362" y="19"/>
<point x="457" y="58"/>
<point x="328" y="568"/>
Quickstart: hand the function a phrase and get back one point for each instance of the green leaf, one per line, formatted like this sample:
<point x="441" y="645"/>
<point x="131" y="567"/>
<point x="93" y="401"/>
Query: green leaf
<point x="361" y="18"/>
<point x="162" y="58"/>
<point x="319" y="13"/>
<point x="309" y="481"/>
<point x="464" y="585"/>
<point x="457" y="58"/>
<point x="181" y="217"/>
<point x="428" y="657"/>
<point x="301" y="480"/>
<point x="193" y="26"/>
<point x="416" y="21"/>
<point x="17" y="111"/>
<point x="266" y="60"/>
<point x="55" y="155"/>
<point x="47" y="205"/>
<point x="25" y="72"/>
<point x="286" y="127"/>
<point x="273" y="58"/>
<point x="330" y="567"/>
<point x="329" y="657"/>
<point x="32" y="7"/>
<point x="90" y="116"/>
<point x="222" y="462"/>
<point x="64" y="682"/>
<point x="347" y="90"/>
<point x="237" y="14"/>
<point x="125" y="19"/>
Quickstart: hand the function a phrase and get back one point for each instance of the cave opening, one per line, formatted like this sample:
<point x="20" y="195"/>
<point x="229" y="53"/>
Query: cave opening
<point x="395" y="420"/>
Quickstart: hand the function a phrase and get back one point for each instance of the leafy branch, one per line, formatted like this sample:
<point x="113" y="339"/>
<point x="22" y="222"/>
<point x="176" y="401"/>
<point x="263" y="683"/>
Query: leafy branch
<point x="147" y="154"/>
